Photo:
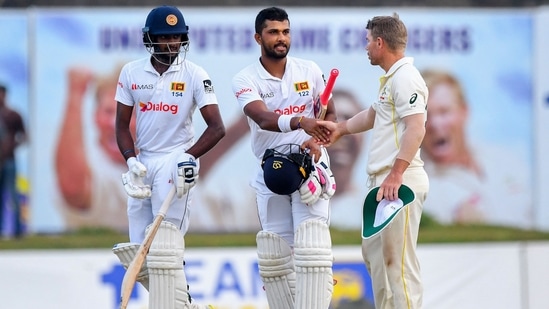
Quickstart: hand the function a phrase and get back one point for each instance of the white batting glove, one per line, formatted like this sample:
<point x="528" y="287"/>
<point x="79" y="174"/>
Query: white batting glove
<point x="311" y="188"/>
<point x="133" y="179"/>
<point x="186" y="174"/>
<point x="327" y="179"/>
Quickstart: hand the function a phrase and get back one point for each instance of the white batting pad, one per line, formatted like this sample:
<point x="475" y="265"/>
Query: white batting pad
<point x="126" y="252"/>
<point x="276" y="269"/>
<point x="313" y="264"/>
<point x="168" y="285"/>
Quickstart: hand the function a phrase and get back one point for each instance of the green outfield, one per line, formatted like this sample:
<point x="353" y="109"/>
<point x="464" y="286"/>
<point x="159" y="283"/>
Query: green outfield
<point x="430" y="232"/>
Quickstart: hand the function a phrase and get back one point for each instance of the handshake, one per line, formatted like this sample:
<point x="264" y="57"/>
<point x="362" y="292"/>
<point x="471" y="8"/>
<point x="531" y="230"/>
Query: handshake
<point x="320" y="184"/>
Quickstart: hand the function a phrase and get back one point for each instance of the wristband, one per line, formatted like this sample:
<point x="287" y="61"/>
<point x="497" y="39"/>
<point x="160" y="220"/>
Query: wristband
<point x="299" y="122"/>
<point x="128" y="151"/>
<point x="284" y="123"/>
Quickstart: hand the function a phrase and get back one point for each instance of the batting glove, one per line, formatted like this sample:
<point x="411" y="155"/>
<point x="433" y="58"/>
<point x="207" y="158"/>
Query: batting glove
<point x="327" y="179"/>
<point x="186" y="174"/>
<point x="133" y="180"/>
<point x="311" y="189"/>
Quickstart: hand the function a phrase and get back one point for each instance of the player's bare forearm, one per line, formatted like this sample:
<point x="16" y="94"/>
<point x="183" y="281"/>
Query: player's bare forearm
<point x="209" y="138"/>
<point x="214" y="132"/>
<point x="331" y="112"/>
<point x="124" y="137"/>
<point x="411" y="137"/>
<point x="237" y="130"/>
<point x="312" y="147"/>
<point x="409" y="146"/>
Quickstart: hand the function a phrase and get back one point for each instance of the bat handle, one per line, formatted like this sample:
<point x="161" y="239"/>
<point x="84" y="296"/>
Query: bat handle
<point x="329" y="86"/>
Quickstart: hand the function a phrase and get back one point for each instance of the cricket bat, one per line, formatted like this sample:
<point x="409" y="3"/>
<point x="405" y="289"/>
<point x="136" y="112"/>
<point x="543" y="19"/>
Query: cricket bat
<point x="321" y="106"/>
<point x="130" y="276"/>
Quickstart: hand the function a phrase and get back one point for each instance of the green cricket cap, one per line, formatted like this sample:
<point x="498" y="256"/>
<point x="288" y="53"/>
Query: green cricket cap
<point x="377" y="215"/>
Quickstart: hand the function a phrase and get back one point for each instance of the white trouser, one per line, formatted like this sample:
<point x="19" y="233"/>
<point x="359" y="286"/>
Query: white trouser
<point x="390" y="256"/>
<point x="282" y="214"/>
<point x="141" y="212"/>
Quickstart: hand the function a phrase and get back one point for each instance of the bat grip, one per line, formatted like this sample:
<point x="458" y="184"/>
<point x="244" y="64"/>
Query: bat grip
<point x="329" y="86"/>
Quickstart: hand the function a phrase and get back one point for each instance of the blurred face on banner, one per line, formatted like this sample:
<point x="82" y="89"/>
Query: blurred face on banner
<point x="447" y="114"/>
<point x="105" y="114"/>
<point x="344" y="153"/>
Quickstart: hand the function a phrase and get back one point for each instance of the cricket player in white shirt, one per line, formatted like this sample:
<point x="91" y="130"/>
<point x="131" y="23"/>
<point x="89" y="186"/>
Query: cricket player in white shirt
<point x="397" y="120"/>
<point x="277" y="93"/>
<point x="163" y="90"/>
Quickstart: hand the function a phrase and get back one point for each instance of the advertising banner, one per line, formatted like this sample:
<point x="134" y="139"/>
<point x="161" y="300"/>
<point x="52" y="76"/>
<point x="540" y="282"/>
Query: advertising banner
<point x="454" y="276"/>
<point x="478" y="156"/>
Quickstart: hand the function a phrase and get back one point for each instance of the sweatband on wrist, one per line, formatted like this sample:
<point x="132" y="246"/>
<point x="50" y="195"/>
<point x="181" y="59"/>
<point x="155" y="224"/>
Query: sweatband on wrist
<point x="127" y="151"/>
<point x="299" y="122"/>
<point x="284" y="123"/>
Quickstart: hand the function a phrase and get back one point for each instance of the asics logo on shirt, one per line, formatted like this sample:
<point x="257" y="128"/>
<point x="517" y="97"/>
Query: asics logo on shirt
<point x="158" y="107"/>
<point x="292" y="109"/>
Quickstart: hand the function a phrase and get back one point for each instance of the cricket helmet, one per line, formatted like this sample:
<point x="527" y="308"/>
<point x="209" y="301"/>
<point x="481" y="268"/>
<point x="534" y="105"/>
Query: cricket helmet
<point x="165" y="20"/>
<point x="284" y="172"/>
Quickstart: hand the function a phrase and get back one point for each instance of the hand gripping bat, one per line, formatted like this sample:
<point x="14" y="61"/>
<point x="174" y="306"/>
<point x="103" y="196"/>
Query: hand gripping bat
<point x="320" y="111"/>
<point x="130" y="276"/>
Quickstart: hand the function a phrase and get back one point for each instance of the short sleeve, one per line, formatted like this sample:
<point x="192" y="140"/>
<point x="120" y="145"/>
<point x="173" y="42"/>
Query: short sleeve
<point x="244" y="90"/>
<point x="204" y="92"/>
<point x="123" y="90"/>
<point x="410" y="92"/>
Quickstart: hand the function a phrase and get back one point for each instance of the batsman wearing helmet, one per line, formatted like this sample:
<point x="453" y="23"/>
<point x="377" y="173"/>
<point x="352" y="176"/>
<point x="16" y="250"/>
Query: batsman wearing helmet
<point x="293" y="187"/>
<point x="163" y="90"/>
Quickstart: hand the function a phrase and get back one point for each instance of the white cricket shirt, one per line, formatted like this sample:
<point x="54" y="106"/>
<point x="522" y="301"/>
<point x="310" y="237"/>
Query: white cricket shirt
<point x="293" y="95"/>
<point x="164" y="104"/>
<point x="402" y="92"/>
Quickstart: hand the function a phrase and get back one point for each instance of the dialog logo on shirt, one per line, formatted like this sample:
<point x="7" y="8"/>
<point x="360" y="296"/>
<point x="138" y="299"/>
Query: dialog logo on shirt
<point x="292" y="109"/>
<point x="158" y="107"/>
<point x="241" y="91"/>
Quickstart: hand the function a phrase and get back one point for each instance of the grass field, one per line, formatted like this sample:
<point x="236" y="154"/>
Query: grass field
<point x="430" y="232"/>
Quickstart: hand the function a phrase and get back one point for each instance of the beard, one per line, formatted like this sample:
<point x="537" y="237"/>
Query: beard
<point x="165" y="55"/>
<point x="166" y="58"/>
<point x="273" y="54"/>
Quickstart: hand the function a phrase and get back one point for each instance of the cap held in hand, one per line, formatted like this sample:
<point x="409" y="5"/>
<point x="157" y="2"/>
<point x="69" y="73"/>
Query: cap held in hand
<point x="377" y="215"/>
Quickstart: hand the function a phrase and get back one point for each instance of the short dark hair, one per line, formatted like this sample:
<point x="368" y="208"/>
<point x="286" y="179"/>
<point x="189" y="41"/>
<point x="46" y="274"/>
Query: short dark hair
<point x="3" y="88"/>
<point x="272" y="13"/>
